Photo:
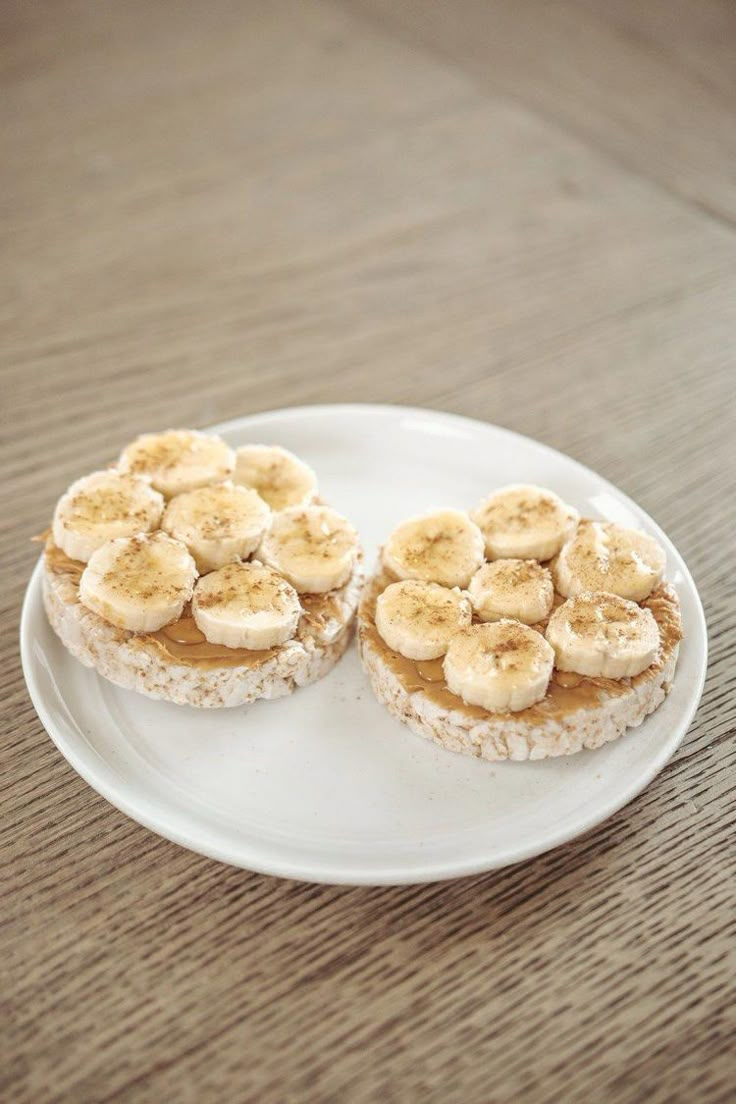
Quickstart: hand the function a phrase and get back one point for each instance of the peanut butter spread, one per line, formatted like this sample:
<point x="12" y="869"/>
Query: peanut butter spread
<point x="58" y="562"/>
<point x="566" y="693"/>
<point x="183" y="642"/>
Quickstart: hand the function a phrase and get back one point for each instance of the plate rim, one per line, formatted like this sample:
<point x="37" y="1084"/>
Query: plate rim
<point x="342" y="873"/>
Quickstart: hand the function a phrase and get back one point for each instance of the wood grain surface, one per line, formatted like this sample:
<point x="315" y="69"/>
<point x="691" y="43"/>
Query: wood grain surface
<point x="522" y="212"/>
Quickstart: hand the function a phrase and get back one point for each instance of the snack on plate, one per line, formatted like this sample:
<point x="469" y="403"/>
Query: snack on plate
<point x="519" y="631"/>
<point x="200" y="574"/>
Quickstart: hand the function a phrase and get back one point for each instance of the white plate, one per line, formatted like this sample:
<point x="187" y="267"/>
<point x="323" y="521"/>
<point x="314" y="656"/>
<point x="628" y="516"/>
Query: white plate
<point x="325" y="785"/>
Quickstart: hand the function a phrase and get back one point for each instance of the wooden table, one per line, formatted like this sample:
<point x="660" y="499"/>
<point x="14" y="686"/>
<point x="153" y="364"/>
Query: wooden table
<point x="519" y="211"/>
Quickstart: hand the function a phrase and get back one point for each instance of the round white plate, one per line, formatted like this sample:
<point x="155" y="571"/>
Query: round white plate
<point x="325" y="785"/>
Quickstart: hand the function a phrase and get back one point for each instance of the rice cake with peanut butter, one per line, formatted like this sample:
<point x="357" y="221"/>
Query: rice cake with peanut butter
<point x="173" y="575"/>
<point x="477" y="709"/>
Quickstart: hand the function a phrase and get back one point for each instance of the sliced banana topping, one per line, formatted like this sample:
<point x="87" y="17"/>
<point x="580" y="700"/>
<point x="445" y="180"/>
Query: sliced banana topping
<point x="280" y="477"/>
<point x="500" y="666"/>
<point x="605" y="556"/>
<point x="519" y="589"/>
<point x="417" y="619"/>
<point x="218" y="524"/>
<point x="314" y="547"/>
<point x="246" y="605"/>
<point x="524" y="522"/>
<point x="102" y="506"/>
<point x="445" y="547"/>
<point x="599" y="634"/>
<point x="139" y="583"/>
<point x="179" y="460"/>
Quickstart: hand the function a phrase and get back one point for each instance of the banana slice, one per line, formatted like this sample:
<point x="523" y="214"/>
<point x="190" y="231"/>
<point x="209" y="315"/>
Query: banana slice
<point x="445" y="547"/>
<point x="596" y="633"/>
<point x="139" y="583"/>
<point x="313" y="547"/>
<point x="178" y="460"/>
<point x="246" y="605"/>
<point x="102" y="506"/>
<point x="280" y="477"/>
<point x="519" y="589"/>
<point x="218" y="524"/>
<point x="501" y="666"/>
<point x="417" y="619"/>
<point x="524" y="522"/>
<point x="604" y="556"/>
